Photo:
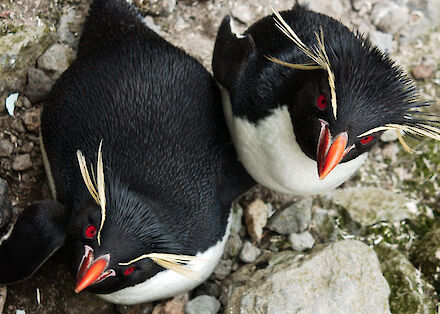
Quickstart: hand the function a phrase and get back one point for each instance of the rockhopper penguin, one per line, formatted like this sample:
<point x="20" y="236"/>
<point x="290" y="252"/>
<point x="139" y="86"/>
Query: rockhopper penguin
<point x="305" y="99"/>
<point x="140" y="162"/>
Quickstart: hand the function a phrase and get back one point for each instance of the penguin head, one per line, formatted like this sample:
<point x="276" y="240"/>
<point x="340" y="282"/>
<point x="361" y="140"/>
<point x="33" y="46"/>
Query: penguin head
<point x="115" y="240"/>
<point x="305" y="106"/>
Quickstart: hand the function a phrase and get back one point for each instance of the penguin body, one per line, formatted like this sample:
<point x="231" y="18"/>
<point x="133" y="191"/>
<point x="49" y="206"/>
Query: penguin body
<point x="149" y="117"/>
<point x="303" y="113"/>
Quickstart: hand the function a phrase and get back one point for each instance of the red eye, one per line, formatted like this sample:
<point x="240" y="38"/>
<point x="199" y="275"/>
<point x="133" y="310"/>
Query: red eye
<point x="321" y="102"/>
<point x="90" y="232"/>
<point x="128" y="271"/>
<point x="366" y="139"/>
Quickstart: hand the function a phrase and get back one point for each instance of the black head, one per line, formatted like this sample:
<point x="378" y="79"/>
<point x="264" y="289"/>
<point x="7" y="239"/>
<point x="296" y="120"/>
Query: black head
<point x="338" y="112"/>
<point x="104" y="247"/>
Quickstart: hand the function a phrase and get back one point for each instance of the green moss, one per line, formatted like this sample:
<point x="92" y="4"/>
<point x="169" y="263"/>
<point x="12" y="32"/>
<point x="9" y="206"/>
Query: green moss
<point x="10" y="29"/>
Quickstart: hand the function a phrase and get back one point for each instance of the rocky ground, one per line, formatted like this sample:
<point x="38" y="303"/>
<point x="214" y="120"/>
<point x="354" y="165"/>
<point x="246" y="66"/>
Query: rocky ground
<point x="371" y="246"/>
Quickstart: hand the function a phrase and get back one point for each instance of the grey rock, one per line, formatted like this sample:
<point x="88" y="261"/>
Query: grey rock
<point x="389" y="136"/>
<point x="236" y="216"/>
<point x="389" y="17"/>
<point x="223" y="269"/>
<point x="31" y="119"/>
<point x="341" y="277"/>
<point x="323" y="226"/>
<point x="6" y="148"/>
<point x="23" y="102"/>
<point x="22" y="162"/>
<point x="292" y="219"/>
<point x="39" y="85"/>
<point x="409" y="292"/>
<point x="243" y="13"/>
<point x="382" y="40"/>
<point x="5" y="204"/>
<point x="335" y="8"/>
<point x="433" y="11"/>
<point x="301" y="241"/>
<point x="27" y="147"/>
<point x="55" y="60"/>
<point x="369" y="205"/>
<point x="249" y="253"/>
<point x="414" y="31"/>
<point x="233" y="246"/>
<point x="63" y="31"/>
<point x="17" y="125"/>
<point x="209" y="288"/>
<point x="203" y="304"/>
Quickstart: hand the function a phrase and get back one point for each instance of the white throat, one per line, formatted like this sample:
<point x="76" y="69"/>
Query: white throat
<point x="168" y="283"/>
<point x="270" y="153"/>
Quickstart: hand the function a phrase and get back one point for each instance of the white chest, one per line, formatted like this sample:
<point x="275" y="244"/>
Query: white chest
<point x="271" y="155"/>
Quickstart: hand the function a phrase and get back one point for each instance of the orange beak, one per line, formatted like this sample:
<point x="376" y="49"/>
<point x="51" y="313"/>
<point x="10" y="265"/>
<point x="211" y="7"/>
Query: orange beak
<point x="330" y="152"/>
<point x="90" y="271"/>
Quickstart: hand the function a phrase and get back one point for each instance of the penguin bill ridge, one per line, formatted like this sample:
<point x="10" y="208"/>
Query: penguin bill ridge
<point x="139" y="158"/>
<point x="306" y="99"/>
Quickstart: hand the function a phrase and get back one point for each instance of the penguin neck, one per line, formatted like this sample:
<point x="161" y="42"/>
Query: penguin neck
<point x="270" y="153"/>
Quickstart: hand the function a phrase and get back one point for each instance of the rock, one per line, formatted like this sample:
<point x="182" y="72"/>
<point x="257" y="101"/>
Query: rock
<point x="243" y="13"/>
<point x="55" y="60"/>
<point x="3" y="294"/>
<point x="292" y="219"/>
<point x="236" y="216"/>
<point x="223" y="269"/>
<point x="335" y="8"/>
<point x="341" y="277"/>
<point x="23" y="102"/>
<point x="18" y="52"/>
<point x="27" y="147"/>
<point x="301" y="241"/>
<point x="433" y="11"/>
<point x="255" y="215"/>
<point x="422" y="71"/>
<point x="31" y="119"/>
<point x="389" y="17"/>
<point x="233" y="246"/>
<point x="63" y="31"/>
<point x="249" y="253"/>
<point x="5" y="205"/>
<point x="203" y="304"/>
<point x="174" y="306"/>
<point x="409" y="292"/>
<point x="17" y="125"/>
<point x="425" y="254"/>
<point x="6" y="148"/>
<point x="323" y="226"/>
<point x="22" y="162"/>
<point x="39" y="85"/>
<point x="382" y="40"/>
<point x="144" y="308"/>
<point x="209" y="288"/>
<point x="389" y="136"/>
<point x="369" y="205"/>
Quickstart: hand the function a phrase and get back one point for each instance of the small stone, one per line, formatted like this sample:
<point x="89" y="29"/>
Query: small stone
<point x="5" y="207"/>
<point x="389" y="17"/>
<point x="382" y="40"/>
<point x="422" y="71"/>
<point x="203" y="304"/>
<point x="209" y="288"/>
<point x="23" y="102"/>
<point x="18" y="126"/>
<point x="38" y="86"/>
<point x="301" y="241"/>
<point x="174" y="306"/>
<point x="292" y="219"/>
<point x="27" y="147"/>
<point x="63" y="32"/>
<point x="323" y="226"/>
<point x="3" y="293"/>
<point x="233" y="246"/>
<point x="249" y="253"/>
<point x="145" y="308"/>
<point x="55" y="60"/>
<point x="255" y="215"/>
<point x="31" y="119"/>
<point x="223" y="269"/>
<point x="389" y="136"/>
<point x="6" y="148"/>
<point x="22" y="162"/>
<point x="243" y="13"/>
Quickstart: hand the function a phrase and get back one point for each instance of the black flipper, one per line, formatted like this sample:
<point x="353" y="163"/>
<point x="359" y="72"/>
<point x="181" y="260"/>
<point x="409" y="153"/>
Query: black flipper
<point x="232" y="55"/>
<point x="38" y="233"/>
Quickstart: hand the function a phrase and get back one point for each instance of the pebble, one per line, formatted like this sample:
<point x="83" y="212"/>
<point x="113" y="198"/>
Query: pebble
<point x="6" y="148"/>
<point x="55" y="60"/>
<point x="389" y="136"/>
<point x="209" y="288"/>
<point x="295" y="218"/>
<point x="422" y="71"/>
<point x="31" y="119"/>
<point x="3" y="293"/>
<point x="233" y="246"/>
<point x="203" y="304"/>
<point x="23" y="102"/>
<point x="223" y="269"/>
<point x="174" y="306"/>
<point x="38" y="86"/>
<point x="243" y="13"/>
<point x="383" y="41"/>
<point x="18" y="126"/>
<point x="255" y="215"/>
<point x="27" y="147"/>
<point x="249" y="253"/>
<point x="63" y="32"/>
<point x="22" y="162"/>
<point x="5" y="208"/>
<point x="389" y="17"/>
<point x="301" y="241"/>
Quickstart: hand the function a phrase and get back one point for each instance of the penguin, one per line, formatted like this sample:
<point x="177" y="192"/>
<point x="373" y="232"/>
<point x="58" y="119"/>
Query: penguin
<point x="141" y="165"/>
<point x="306" y="99"/>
